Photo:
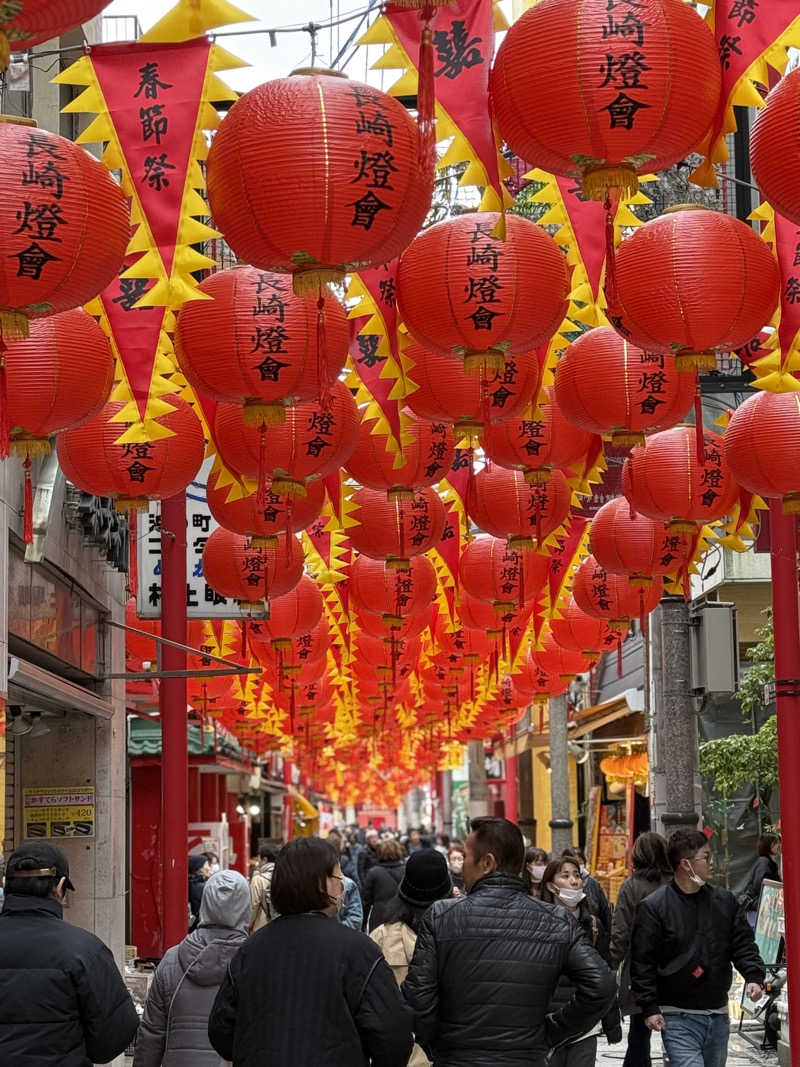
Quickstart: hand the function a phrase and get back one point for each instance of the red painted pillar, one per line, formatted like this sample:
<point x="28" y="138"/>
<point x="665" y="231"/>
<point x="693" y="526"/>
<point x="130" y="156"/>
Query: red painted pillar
<point x="172" y="702"/>
<point x="510" y="788"/>
<point x="195" y="801"/>
<point x="786" y="621"/>
<point x="209" y="798"/>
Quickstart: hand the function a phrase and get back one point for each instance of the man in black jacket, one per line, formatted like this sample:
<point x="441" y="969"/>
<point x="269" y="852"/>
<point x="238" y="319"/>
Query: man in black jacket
<point x="62" y="1000"/>
<point x="685" y="937"/>
<point x="485" y="967"/>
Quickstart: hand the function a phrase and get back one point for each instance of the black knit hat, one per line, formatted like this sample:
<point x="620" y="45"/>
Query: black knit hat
<point x="426" y="878"/>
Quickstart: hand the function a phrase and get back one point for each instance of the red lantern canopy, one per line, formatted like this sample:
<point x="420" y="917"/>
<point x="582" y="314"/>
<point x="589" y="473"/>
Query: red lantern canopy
<point x="692" y="283"/>
<point x="775" y="150"/>
<point x="395" y="595"/>
<point x="578" y="632"/>
<point x="480" y="615"/>
<point x="536" y="681"/>
<point x="315" y="440"/>
<point x="249" y="575"/>
<point x="497" y="318"/>
<point x="762" y="447"/>
<point x="664" y="480"/>
<point x="505" y="505"/>
<point x="606" y="385"/>
<point x="445" y="392"/>
<point x="263" y="519"/>
<point x="370" y="195"/>
<point x="564" y="663"/>
<point x="579" y="88"/>
<point x="289" y="656"/>
<point x="92" y="457"/>
<point x="378" y="652"/>
<point x="467" y="645"/>
<point x="427" y="455"/>
<point x="536" y="445"/>
<point x="604" y="595"/>
<point x="635" y="544"/>
<point x="66" y="225"/>
<point x="296" y="612"/>
<point x="409" y="628"/>
<point x="257" y="344"/>
<point x="492" y="570"/>
<point x="394" y="529"/>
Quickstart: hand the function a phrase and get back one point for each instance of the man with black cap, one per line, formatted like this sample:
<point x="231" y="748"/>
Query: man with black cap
<point x="62" y="1000"/>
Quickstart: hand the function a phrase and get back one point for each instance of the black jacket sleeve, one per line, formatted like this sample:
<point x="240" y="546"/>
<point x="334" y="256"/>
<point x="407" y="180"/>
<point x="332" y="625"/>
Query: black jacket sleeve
<point x="645" y="940"/>
<point x="744" y="952"/>
<point x="368" y="890"/>
<point x="383" y="1020"/>
<point x="621" y="926"/>
<point x="222" y="1020"/>
<point x="595" y="990"/>
<point x="420" y="988"/>
<point x="109" y="1017"/>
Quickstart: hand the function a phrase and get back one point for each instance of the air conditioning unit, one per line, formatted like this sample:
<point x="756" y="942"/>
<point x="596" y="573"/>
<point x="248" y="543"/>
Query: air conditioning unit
<point x="714" y="648"/>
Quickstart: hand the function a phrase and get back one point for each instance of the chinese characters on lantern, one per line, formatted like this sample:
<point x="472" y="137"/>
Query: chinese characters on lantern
<point x="625" y="68"/>
<point x="437" y="451"/>
<point x="483" y="282"/>
<point x="40" y="218"/>
<point x="270" y="334"/>
<point x="373" y="169"/>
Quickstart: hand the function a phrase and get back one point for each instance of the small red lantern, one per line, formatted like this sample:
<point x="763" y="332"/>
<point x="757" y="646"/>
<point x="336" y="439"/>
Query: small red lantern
<point x="92" y="457"/>
<point x="563" y="662"/>
<point x="257" y="344"/>
<point x="392" y="594"/>
<point x="539" y="682"/>
<point x="578" y="632"/>
<point x="315" y="440"/>
<point x="370" y="195"/>
<point x="605" y="385"/>
<point x="664" y="480"/>
<point x="762" y="447"/>
<point x="249" y="575"/>
<point x="507" y="578"/>
<point x="394" y="529"/>
<point x="635" y="544"/>
<point x="775" y="148"/>
<point x="261" y="517"/>
<point x="427" y="455"/>
<point x="477" y="614"/>
<point x="466" y="645"/>
<point x="505" y="505"/>
<point x="292" y="655"/>
<point x="692" y="283"/>
<point x="296" y="612"/>
<point x="410" y="627"/>
<point x="536" y="445"/>
<point x="579" y="88"/>
<point x="614" y="597"/>
<point x="462" y="292"/>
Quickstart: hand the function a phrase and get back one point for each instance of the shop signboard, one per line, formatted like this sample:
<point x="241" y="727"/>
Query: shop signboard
<point x="62" y="811"/>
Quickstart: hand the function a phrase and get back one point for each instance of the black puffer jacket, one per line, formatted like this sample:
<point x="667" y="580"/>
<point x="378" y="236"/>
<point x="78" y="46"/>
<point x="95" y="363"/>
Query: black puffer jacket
<point x="683" y="945"/>
<point x="306" y="990"/>
<point x="62" y="1000"/>
<point x="380" y="887"/>
<point x="484" y="972"/>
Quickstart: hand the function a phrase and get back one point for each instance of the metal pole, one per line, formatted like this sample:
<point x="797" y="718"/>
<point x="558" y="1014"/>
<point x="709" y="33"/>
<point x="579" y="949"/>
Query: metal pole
<point x="510" y="789"/>
<point x="560" y="820"/>
<point x="446" y="795"/>
<point x="786" y="623"/>
<point x="172" y="704"/>
<point x="478" y="790"/>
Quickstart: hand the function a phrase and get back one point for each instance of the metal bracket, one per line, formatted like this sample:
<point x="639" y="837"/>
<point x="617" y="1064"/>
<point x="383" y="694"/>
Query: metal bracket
<point x="201" y="672"/>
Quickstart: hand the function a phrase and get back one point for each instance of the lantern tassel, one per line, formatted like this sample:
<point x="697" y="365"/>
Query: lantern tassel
<point x="619" y="657"/>
<point x="243" y="648"/>
<point x="611" y="262"/>
<point x="27" y="533"/>
<point x="698" y="424"/>
<point x="261" y="497"/>
<point x="5" y="426"/>
<point x="322" y="361"/>
<point x="521" y="559"/>
<point x="426" y="97"/>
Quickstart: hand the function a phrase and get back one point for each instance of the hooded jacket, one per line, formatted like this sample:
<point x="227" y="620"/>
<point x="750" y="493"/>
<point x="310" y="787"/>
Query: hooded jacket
<point x="174" y="1027"/>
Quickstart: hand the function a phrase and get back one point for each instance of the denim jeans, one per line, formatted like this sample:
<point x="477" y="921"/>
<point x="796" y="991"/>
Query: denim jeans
<point x="696" y="1040"/>
<point x="638" y="1054"/>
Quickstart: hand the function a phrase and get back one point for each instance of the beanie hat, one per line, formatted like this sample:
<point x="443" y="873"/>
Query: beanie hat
<point x="426" y="878"/>
<point x="195" y="863"/>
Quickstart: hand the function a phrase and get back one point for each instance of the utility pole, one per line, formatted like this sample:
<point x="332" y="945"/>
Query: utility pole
<point x="560" y="820"/>
<point x="478" y="789"/>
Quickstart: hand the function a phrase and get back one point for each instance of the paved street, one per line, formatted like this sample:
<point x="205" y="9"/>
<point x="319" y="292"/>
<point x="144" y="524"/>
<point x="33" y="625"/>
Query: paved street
<point x="740" y="1054"/>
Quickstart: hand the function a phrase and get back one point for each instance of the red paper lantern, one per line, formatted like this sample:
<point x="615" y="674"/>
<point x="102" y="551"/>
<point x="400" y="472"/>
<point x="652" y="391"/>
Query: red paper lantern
<point x="578" y="632"/>
<point x="393" y="594"/>
<point x="296" y="612"/>
<point x="762" y="447"/>
<point x="92" y="457"/>
<point x="604" y="595"/>
<point x="504" y="505"/>
<point x="536" y="681"/>
<point x="664" y="480"/>
<point x="255" y="343"/>
<point x="394" y="529"/>
<point x="261" y="517"/>
<point x="493" y="571"/>
<point x="635" y="544"/>
<point x="480" y="614"/>
<point x="235" y="569"/>
<point x="467" y="645"/>
<point x="692" y="283"/>
<point x="536" y="445"/>
<point x="377" y="652"/>
<point x="427" y="454"/>
<point x="315" y="440"/>
<point x="463" y="292"/>
<point x="579" y="88"/>
<point x="36" y="21"/>
<point x="65" y="225"/>
<point x="561" y="662"/>
<point x="369" y="196"/>
<point x="606" y="385"/>
<point x="410" y="627"/>
<point x="775" y="147"/>
<point x="290" y="656"/>
<point x="445" y="392"/>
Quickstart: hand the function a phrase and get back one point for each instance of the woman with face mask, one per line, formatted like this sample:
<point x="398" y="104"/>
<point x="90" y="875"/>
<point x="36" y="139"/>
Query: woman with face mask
<point x="562" y="884"/>
<point x="536" y="860"/>
<point x="455" y="861"/>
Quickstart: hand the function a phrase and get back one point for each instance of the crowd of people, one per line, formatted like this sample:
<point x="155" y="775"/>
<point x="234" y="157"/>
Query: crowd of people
<point x="368" y="949"/>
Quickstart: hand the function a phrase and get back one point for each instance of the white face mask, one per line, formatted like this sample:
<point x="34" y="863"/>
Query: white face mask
<point x="571" y="898"/>
<point x="536" y="871"/>
<point x="457" y="862"/>
<point x="698" y="881"/>
<point x="214" y="868"/>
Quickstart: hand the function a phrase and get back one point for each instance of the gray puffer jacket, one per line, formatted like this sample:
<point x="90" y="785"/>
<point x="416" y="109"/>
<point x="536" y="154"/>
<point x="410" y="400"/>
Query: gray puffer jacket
<point x="174" y="1028"/>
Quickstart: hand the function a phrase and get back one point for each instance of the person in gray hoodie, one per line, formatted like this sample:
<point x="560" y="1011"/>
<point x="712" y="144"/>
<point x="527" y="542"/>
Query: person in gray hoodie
<point x="174" y="1027"/>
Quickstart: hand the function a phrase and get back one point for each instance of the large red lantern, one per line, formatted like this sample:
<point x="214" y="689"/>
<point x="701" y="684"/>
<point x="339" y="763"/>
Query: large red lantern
<point x="370" y="193"/>
<point x="614" y="597"/>
<point x="92" y="457"/>
<point x="581" y="88"/>
<point x="538" y="682"/>
<point x="65" y="225"/>
<point x="537" y="444"/>
<point x="477" y="614"/>
<point x="502" y="503"/>
<point x="762" y="447"/>
<point x="692" y="283"/>
<point x="237" y="570"/>
<point x="315" y="440"/>
<point x="427" y="455"/>
<point x="296" y="612"/>
<point x="635" y="544"/>
<point x="576" y="631"/>
<point x="664" y="479"/>
<point x="257" y="344"/>
<point x="562" y="662"/>
<point x="410" y="627"/>
<point x="395" y="529"/>
<point x="775" y="147"/>
<point x="393" y="594"/>
<point x="293" y="654"/>
<point x="24" y="25"/>
<point x="462" y="292"/>
<point x="604" y="385"/>
<point x="493" y="571"/>
<point x="262" y="516"/>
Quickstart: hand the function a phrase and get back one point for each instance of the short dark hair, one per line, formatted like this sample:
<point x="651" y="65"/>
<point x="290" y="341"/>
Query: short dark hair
<point x="765" y="843"/>
<point x="389" y="850"/>
<point x="574" y="852"/>
<point x="299" y="879"/>
<point x="30" y="887"/>
<point x="650" y="859"/>
<point x="398" y="910"/>
<point x="503" y="839"/>
<point x="268" y="852"/>
<point x="683" y="844"/>
<point x="551" y="870"/>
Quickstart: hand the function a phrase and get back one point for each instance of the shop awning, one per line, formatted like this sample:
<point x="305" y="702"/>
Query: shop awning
<point x="585" y="722"/>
